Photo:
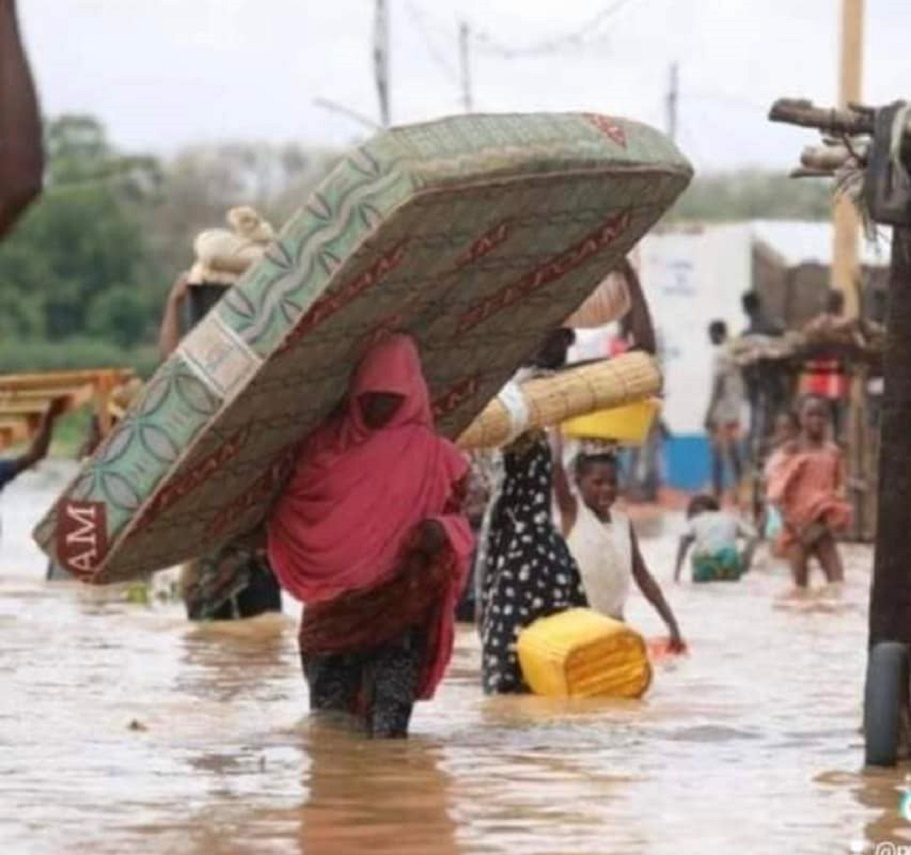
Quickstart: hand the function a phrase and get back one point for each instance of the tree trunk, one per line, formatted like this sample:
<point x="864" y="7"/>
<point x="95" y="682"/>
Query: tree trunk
<point x="890" y="595"/>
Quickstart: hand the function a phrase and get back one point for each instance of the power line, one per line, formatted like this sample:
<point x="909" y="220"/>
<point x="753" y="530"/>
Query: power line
<point x="583" y="36"/>
<point x="419" y="20"/>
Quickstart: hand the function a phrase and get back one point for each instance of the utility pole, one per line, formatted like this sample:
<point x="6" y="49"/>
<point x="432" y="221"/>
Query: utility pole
<point x="464" y="66"/>
<point x="381" y="59"/>
<point x="673" y="99"/>
<point x="845" y="270"/>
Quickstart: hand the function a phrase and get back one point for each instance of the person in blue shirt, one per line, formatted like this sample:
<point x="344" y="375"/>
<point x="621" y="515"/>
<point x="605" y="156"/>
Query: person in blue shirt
<point x="12" y="467"/>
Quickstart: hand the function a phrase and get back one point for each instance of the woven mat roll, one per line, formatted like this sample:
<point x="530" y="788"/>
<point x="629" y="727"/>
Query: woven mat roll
<point x="578" y="391"/>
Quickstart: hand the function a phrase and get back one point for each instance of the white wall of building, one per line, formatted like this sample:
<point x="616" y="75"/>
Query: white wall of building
<point x="690" y="279"/>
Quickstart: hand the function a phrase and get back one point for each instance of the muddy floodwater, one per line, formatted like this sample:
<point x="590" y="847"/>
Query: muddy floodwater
<point x="124" y="729"/>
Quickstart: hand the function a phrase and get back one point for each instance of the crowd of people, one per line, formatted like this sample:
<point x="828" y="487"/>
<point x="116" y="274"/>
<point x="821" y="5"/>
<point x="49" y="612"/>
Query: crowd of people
<point x="383" y="522"/>
<point x="503" y="539"/>
<point x="792" y="447"/>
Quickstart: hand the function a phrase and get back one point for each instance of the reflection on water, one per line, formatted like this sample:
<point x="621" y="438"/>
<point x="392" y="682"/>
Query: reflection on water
<point x="750" y="744"/>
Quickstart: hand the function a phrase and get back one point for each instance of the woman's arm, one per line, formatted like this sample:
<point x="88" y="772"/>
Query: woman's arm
<point x="566" y="500"/>
<point x="37" y="451"/>
<point x="169" y="335"/>
<point x="652" y="592"/>
<point x="684" y="546"/>
<point x="21" y="155"/>
<point x="639" y="322"/>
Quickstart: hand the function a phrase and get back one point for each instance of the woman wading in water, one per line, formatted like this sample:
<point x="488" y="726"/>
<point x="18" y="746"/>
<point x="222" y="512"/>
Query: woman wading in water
<point x="370" y="535"/>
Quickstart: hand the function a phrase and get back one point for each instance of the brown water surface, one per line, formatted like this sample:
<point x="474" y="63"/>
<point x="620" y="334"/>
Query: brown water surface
<point x="123" y="729"/>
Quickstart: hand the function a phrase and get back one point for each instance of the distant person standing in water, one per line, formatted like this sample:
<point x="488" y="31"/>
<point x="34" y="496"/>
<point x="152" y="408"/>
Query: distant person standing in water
<point x="826" y="376"/>
<point x="234" y="581"/>
<point x="766" y="389"/>
<point x="12" y="467"/>
<point x="21" y="155"/>
<point x="722" y="418"/>
<point x="807" y="484"/>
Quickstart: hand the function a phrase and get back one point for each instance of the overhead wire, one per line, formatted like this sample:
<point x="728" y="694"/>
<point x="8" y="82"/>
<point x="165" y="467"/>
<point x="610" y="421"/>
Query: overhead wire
<point x="419" y="19"/>
<point x="584" y="36"/>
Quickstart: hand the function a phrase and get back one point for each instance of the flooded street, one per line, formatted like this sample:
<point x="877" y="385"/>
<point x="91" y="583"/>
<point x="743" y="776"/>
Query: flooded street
<point x="123" y="729"/>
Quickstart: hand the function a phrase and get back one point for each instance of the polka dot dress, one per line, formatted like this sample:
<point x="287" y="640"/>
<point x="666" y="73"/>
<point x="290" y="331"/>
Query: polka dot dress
<point x="529" y="572"/>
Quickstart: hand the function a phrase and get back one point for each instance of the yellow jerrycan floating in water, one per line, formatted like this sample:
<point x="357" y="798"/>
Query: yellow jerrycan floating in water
<point x="581" y="653"/>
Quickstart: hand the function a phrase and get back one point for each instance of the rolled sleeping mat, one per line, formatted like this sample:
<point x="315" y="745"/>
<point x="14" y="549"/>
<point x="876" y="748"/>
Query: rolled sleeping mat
<point x="549" y="401"/>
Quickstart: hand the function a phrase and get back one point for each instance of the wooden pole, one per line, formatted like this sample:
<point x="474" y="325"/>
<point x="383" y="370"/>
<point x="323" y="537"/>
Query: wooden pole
<point x="381" y="59"/>
<point x="465" y="66"/>
<point x="673" y="100"/>
<point x="890" y="596"/>
<point x="845" y="272"/>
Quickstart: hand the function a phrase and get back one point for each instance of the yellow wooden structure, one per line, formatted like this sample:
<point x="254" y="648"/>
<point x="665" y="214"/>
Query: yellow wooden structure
<point x="25" y="397"/>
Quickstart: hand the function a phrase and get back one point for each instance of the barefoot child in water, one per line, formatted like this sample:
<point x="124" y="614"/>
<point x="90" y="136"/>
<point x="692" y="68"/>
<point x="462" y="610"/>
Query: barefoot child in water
<point x="714" y="534"/>
<point x="807" y="484"/>
<point x="604" y="543"/>
<point x="787" y="430"/>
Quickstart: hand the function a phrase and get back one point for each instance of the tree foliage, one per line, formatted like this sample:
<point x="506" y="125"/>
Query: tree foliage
<point x="753" y="194"/>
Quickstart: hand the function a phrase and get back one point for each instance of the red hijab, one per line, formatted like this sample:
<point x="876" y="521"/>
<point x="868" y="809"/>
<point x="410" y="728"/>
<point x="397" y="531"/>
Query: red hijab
<point x="356" y="494"/>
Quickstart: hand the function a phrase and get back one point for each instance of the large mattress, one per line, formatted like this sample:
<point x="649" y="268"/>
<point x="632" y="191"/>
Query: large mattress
<point x="476" y="234"/>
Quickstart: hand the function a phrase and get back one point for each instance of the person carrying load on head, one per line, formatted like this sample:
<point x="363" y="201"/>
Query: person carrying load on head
<point x="526" y="569"/>
<point x="369" y="533"/>
<point x="826" y="375"/>
<point x="236" y="580"/>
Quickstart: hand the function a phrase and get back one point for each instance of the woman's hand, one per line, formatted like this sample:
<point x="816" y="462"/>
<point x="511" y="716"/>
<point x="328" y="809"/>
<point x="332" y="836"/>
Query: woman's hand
<point x="430" y="538"/>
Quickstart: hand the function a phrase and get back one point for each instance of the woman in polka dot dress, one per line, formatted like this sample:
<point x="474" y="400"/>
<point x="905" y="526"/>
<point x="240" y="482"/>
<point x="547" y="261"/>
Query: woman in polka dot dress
<point x="529" y="572"/>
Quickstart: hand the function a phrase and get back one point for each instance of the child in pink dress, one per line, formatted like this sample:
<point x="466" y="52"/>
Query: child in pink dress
<point x="807" y="485"/>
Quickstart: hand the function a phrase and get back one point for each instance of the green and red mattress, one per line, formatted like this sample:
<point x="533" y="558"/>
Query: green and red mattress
<point x="475" y="234"/>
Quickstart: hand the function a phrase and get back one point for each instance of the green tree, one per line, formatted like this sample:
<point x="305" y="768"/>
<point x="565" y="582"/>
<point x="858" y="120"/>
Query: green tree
<point x="753" y="194"/>
<point x="83" y="241"/>
<point x="119" y="315"/>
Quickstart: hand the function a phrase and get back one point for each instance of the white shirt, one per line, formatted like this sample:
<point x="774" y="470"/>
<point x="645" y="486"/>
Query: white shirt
<point x="604" y="554"/>
<point x="713" y="531"/>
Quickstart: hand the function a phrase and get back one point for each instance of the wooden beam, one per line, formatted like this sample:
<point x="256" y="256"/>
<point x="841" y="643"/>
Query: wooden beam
<point x="53" y="379"/>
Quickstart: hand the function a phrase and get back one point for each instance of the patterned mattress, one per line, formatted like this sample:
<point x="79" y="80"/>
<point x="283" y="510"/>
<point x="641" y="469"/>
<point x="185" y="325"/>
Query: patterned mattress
<point x="475" y="234"/>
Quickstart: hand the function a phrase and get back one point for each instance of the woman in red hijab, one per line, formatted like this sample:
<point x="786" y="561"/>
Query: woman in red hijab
<point x="369" y="535"/>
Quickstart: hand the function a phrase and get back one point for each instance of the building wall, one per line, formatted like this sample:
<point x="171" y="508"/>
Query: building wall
<point x="691" y="278"/>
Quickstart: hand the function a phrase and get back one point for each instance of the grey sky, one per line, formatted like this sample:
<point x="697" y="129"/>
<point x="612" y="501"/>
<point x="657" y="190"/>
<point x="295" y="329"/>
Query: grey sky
<point x="162" y="73"/>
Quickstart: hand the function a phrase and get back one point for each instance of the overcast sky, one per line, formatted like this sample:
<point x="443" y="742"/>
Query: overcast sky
<point x="162" y="73"/>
